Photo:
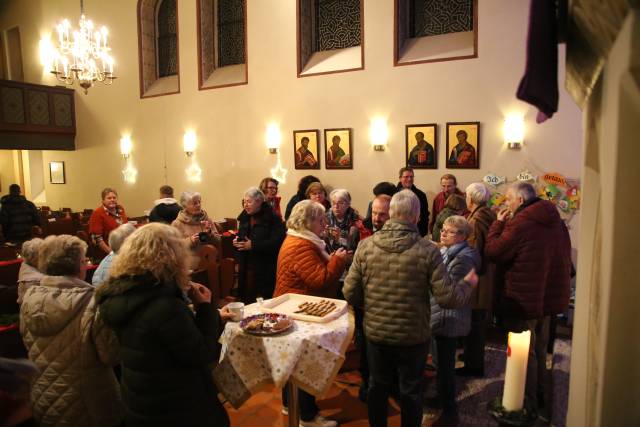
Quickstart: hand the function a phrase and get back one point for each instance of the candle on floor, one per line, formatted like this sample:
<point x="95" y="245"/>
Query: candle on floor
<point x="515" y="376"/>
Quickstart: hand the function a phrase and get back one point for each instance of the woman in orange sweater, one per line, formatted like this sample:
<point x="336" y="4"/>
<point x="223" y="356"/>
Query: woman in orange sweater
<point x="305" y="267"/>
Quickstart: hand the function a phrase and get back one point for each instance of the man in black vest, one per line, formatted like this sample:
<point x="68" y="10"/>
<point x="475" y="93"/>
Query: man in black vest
<point x="406" y="182"/>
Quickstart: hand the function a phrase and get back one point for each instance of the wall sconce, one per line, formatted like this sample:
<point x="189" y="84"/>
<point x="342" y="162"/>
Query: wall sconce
<point x="189" y="142"/>
<point x="514" y="131"/>
<point x="379" y="134"/>
<point x="273" y="138"/>
<point x="125" y="146"/>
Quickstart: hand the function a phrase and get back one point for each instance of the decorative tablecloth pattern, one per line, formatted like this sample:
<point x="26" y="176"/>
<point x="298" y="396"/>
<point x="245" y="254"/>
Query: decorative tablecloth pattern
<point x="310" y="355"/>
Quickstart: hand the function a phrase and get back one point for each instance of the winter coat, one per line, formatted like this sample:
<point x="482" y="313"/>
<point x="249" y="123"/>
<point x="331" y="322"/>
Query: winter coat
<point x="302" y="269"/>
<point x="165" y="210"/>
<point x="292" y="202"/>
<point x="423" y="222"/>
<point x="392" y="275"/>
<point x="533" y="250"/>
<point x="17" y="216"/>
<point x="167" y="353"/>
<point x="266" y="232"/>
<point x="188" y="225"/>
<point x="455" y="322"/>
<point x="28" y="276"/>
<point x="480" y="220"/>
<point x="75" y="353"/>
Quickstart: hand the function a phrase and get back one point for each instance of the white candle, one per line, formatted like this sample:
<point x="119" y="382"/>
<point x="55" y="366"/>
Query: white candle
<point x="515" y="376"/>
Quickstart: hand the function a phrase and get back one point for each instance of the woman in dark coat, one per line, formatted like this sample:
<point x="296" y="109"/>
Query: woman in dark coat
<point x="167" y="351"/>
<point x="300" y="195"/>
<point x="260" y="235"/>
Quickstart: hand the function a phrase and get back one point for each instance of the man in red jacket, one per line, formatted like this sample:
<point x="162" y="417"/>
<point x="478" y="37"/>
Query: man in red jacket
<point x="531" y="247"/>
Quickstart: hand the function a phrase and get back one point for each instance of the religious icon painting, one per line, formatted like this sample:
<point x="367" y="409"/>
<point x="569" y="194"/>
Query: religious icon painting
<point x="421" y="146"/>
<point x="338" y="149"/>
<point x="463" y="145"/>
<point x="306" y="149"/>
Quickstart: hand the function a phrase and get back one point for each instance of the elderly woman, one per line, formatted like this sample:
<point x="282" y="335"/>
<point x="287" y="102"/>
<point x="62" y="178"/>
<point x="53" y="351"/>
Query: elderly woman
<point x="106" y="218"/>
<point x="303" y="184"/>
<point x="305" y="267"/>
<point x="343" y="222"/>
<point x="453" y="205"/>
<point x="447" y="325"/>
<point x="68" y="341"/>
<point x="29" y="275"/>
<point x="260" y="235"/>
<point x="317" y="193"/>
<point x="480" y="219"/>
<point x="116" y="239"/>
<point x="269" y="187"/>
<point x="167" y="351"/>
<point x="194" y="223"/>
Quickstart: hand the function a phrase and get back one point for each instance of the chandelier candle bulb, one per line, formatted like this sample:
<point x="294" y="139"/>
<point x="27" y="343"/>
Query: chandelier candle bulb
<point x="515" y="376"/>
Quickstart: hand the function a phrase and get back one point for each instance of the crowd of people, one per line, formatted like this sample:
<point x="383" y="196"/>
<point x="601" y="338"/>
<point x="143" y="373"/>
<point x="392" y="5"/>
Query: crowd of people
<point x="412" y="295"/>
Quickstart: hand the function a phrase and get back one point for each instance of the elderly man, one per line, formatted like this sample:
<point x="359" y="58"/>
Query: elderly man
<point x="392" y="275"/>
<point x="531" y="246"/>
<point x="449" y="186"/>
<point x="407" y="176"/>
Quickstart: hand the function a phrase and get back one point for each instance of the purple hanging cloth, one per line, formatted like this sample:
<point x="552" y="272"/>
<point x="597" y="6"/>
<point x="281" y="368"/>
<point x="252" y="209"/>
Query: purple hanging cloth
<point x="539" y="85"/>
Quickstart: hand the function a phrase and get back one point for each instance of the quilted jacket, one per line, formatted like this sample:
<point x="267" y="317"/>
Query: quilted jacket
<point x="392" y="274"/>
<point x="28" y="276"/>
<point x="480" y="220"/>
<point x="302" y="269"/>
<point x="455" y="322"/>
<point x="533" y="250"/>
<point x="75" y="353"/>
<point x="167" y="353"/>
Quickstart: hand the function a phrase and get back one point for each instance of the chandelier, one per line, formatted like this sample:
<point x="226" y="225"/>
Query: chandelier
<point x="80" y="55"/>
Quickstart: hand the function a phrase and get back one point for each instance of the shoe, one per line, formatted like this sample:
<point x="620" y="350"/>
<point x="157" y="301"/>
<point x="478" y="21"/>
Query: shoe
<point x="285" y="410"/>
<point x="319" y="421"/>
<point x="466" y="372"/>
<point x="363" y="392"/>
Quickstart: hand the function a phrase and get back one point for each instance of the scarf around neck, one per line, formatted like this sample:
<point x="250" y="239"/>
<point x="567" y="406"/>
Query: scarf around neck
<point x="313" y="238"/>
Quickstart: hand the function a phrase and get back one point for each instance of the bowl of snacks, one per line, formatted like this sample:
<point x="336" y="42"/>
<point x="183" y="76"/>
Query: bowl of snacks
<point x="266" y="324"/>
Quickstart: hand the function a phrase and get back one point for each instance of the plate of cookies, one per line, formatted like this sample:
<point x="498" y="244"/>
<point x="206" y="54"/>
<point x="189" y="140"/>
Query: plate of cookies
<point x="266" y="324"/>
<point x="306" y="307"/>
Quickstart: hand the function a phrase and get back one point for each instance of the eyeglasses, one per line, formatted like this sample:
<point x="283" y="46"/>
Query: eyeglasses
<point x="407" y="176"/>
<point x="449" y="231"/>
<point x="272" y="188"/>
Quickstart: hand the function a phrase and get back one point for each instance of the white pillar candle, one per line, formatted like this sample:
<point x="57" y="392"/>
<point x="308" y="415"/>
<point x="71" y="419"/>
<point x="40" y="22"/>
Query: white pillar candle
<point x="515" y="376"/>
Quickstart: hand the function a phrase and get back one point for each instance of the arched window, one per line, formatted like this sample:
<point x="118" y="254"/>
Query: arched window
<point x="222" y="45"/>
<point x="167" y="38"/>
<point x="158" y="47"/>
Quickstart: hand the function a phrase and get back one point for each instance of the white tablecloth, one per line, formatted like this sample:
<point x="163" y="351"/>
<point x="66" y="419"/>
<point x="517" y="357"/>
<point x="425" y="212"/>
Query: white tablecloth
<point x="310" y="355"/>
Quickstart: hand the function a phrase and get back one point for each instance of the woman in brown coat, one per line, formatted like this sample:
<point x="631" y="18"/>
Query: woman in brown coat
<point x="194" y="224"/>
<point x="480" y="219"/>
<point x="305" y="267"/>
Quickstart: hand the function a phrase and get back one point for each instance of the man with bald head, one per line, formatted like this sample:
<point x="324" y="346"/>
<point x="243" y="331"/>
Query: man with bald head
<point x="380" y="211"/>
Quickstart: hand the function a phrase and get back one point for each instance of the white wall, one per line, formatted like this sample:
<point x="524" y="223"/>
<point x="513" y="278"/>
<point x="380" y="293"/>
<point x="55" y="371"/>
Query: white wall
<point x="231" y="122"/>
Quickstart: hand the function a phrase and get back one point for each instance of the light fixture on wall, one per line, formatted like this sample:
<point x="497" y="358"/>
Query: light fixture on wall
<point x="379" y="134"/>
<point x="189" y="143"/>
<point x="125" y="146"/>
<point x="514" y="131"/>
<point x="273" y="138"/>
<point x="81" y="55"/>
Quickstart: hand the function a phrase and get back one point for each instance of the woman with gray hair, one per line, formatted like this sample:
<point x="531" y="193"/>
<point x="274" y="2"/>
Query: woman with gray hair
<point x="194" y="224"/>
<point x="116" y="239"/>
<point x="260" y="235"/>
<point x="480" y="219"/>
<point x="448" y="324"/>
<point x="29" y="275"/>
<point x="305" y="267"/>
<point x="343" y="222"/>
<point x="68" y="342"/>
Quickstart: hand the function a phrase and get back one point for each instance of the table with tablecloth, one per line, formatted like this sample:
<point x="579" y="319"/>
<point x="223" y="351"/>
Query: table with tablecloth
<point x="309" y="355"/>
